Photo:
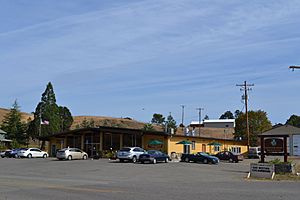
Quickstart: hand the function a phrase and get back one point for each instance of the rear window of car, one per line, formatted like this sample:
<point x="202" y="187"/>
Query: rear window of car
<point x="125" y="149"/>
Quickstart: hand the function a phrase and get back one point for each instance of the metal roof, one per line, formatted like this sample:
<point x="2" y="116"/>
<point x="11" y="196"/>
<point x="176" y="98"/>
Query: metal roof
<point x="283" y="130"/>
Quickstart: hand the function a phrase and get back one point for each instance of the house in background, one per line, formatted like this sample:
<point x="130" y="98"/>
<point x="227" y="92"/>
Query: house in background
<point x="214" y="123"/>
<point x="4" y="143"/>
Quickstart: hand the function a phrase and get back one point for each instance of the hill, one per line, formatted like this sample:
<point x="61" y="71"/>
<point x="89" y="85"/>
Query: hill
<point x="24" y="116"/>
<point x="98" y="121"/>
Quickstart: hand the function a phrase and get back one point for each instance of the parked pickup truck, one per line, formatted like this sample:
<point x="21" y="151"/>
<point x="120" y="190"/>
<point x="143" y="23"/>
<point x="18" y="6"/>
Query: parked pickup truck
<point x="200" y="157"/>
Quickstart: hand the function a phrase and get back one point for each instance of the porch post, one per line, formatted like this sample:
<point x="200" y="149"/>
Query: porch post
<point x="285" y="148"/>
<point x="262" y="150"/>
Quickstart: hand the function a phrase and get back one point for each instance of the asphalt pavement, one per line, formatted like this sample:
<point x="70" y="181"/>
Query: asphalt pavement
<point x="104" y="179"/>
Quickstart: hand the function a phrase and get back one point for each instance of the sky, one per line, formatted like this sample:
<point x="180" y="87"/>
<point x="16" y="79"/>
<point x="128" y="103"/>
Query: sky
<point x="134" y="58"/>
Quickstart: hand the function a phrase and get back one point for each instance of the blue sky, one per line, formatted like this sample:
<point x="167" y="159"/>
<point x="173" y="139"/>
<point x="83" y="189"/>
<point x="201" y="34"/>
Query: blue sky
<point x="135" y="58"/>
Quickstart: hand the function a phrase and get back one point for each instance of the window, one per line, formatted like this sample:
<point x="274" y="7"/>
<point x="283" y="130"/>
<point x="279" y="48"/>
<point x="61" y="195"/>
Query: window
<point x="236" y="149"/>
<point x="193" y="145"/>
<point x="216" y="148"/>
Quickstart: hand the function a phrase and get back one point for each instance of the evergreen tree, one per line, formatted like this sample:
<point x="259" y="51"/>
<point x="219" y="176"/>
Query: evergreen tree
<point x="158" y="119"/>
<point x="13" y="126"/>
<point x="59" y="118"/>
<point x="294" y="120"/>
<point x="171" y="124"/>
<point x="65" y="117"/>
<point x="227" y="115"/>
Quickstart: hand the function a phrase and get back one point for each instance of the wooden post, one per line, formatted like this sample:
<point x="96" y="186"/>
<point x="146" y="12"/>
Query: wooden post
<point x="262" y="149"/>
<point x="285" y="148"/>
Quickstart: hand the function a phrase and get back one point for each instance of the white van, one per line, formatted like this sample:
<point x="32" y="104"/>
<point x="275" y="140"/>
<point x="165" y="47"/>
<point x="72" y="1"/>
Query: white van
<point x="254" y="152"/>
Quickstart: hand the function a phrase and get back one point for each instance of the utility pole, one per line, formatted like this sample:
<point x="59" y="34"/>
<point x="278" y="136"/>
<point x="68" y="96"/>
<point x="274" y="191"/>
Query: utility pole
<point x="200" y="109"/>
<point x="246" y="87"/>
<point x="182" y="116"/>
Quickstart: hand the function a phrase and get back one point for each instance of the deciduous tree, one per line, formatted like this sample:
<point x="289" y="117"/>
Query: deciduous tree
<point x="258" y="123"/>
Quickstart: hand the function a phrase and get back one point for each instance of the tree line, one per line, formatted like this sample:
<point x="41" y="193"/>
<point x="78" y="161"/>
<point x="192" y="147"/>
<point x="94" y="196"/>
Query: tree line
<point x="50" y="118"/>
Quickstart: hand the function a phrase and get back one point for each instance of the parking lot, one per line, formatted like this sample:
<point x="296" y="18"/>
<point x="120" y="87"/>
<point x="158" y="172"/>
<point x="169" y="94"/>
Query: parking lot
<point x="105" y="179"/>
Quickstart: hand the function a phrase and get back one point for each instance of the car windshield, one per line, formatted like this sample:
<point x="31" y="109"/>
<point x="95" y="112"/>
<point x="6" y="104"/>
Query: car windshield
<point x="125" y="149"/>
<point x="151" y="152"/>
<point x="203" y="154"/>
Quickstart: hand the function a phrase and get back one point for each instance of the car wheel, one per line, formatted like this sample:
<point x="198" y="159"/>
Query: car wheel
<point x="142" y="162"/>
<point x="154" y="161"/>
<point x="16" y="156"/>
<point x="84" y="157"/>
<point x="187" y="160"/>
<point x="205" y="161"/>
<point x="230" y="160"/>
<point x="166" y="160"/>
<point x="134" y="159"/>
<point x="121" y="160"/>
<point x="69" y="157"/>
<point x="45" y="156"/>
<point x="29" y="156"/>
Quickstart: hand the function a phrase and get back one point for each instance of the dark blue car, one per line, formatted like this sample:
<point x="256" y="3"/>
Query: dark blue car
<point x="200" y="157"/>
<point x="154" y="156"/>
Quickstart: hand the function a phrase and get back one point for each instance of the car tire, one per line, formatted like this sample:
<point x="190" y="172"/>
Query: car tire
<point x="166" y="160"/>
<point x="142" y="162"/>
<point x="187" y="160"/>
<point x="205" y="161"/>
<point x="69" y="158"/>
<point x="134" y="159"/>
<point x="154" y="161"/>
<point x="121" y="160"/>
<point x="84" y="157"/>
<point x="45" y="156"/>
<point x="29" y="155"/>
<point x="230" y="160"/>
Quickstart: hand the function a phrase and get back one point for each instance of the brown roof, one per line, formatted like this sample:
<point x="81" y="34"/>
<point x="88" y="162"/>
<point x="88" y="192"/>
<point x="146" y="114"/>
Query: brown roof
<point x="283" y="130"/>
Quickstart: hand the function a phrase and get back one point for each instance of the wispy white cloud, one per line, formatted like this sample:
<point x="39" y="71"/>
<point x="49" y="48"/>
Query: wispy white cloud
<point x="174" y="51"/>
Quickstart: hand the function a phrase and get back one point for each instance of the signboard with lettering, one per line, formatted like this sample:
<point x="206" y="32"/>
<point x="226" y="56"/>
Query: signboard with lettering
<point x="274" y="145"/>
<point x="262" y="170"/>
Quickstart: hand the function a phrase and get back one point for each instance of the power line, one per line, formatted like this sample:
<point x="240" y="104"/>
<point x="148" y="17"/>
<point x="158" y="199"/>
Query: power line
<point x="246" y="87"/>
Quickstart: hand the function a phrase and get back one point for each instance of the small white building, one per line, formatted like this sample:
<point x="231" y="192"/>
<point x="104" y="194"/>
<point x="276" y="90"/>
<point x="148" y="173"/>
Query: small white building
<point x="215" y="123"/>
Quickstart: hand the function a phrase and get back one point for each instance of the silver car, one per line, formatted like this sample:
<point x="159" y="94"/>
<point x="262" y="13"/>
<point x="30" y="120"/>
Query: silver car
<point x="70" y="154"/>
<point x="130" y="154"/>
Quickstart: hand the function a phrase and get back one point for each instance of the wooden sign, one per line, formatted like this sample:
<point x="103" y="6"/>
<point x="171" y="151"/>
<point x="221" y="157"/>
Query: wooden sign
<point x="274" y="145"/>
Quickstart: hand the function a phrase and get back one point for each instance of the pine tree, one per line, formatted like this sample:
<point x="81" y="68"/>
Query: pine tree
<point x="171" y="123"/>
<point x="13" y="126"/>
<point x="59" y="118"/>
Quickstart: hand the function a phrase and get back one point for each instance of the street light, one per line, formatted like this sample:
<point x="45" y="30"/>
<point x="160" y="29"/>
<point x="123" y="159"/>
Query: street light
<point x="294" y="67"/>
